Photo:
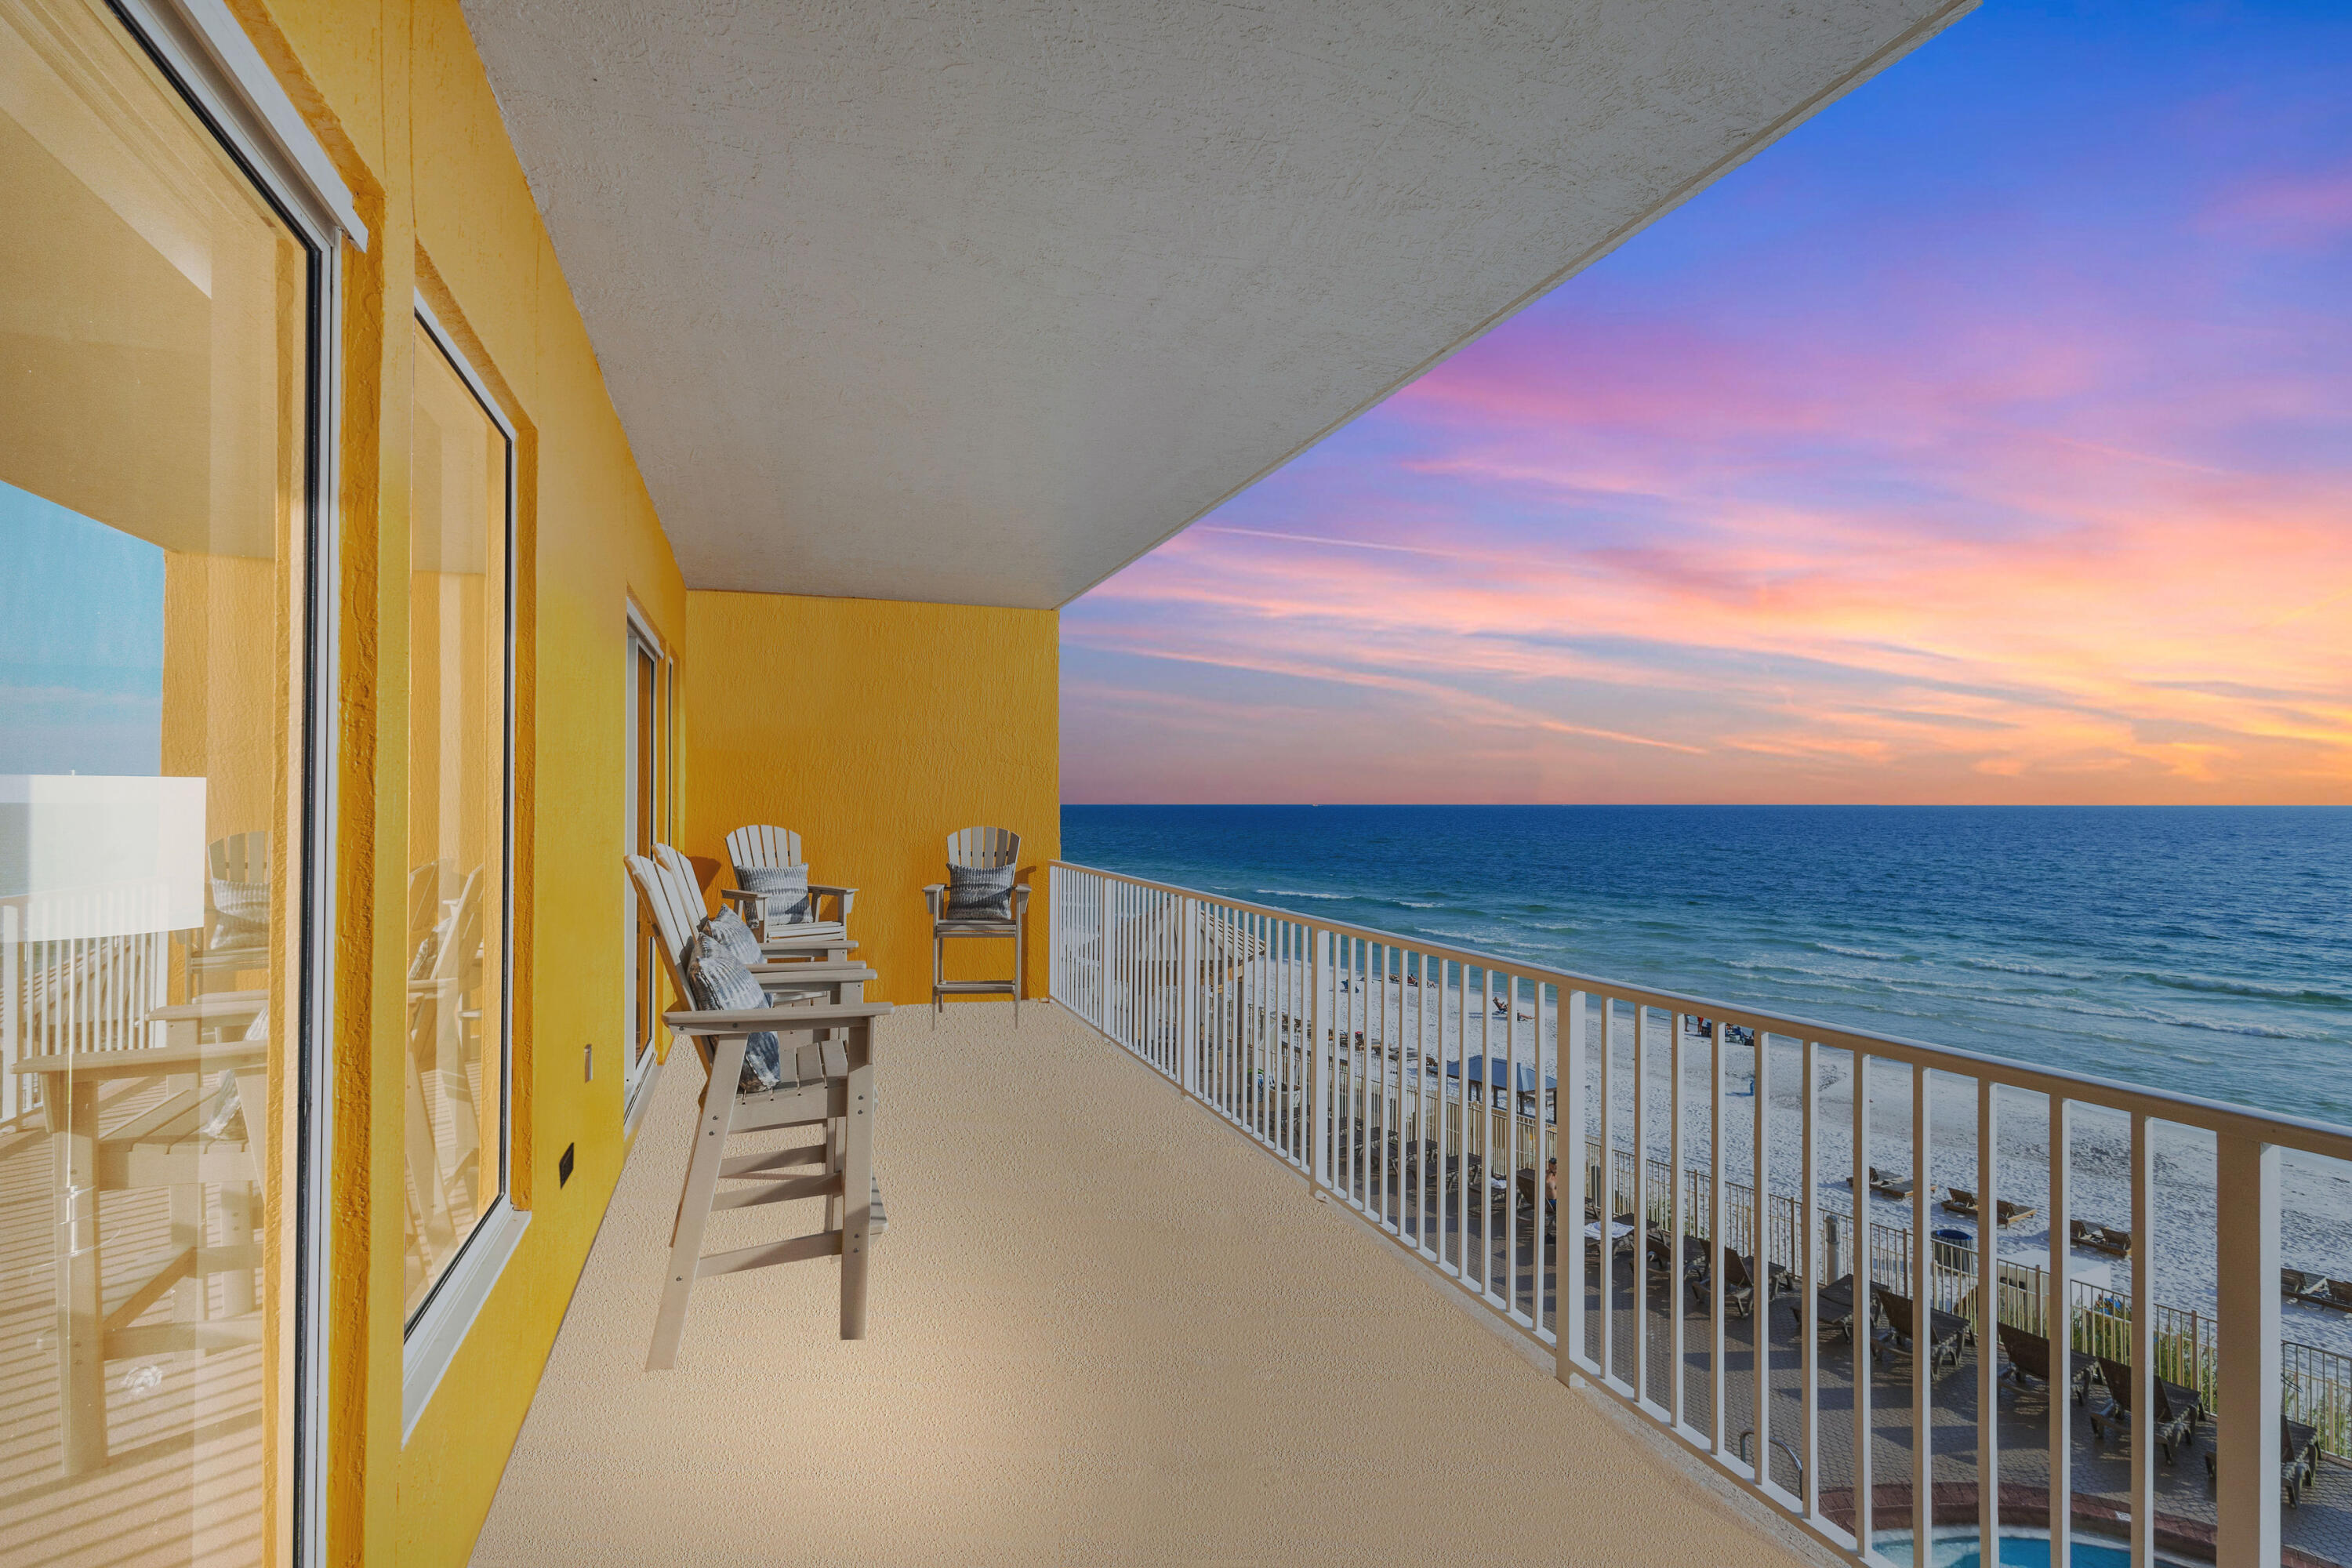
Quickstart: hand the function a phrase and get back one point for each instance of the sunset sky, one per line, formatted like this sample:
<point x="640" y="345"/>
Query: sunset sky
<point x="1989" y="439"/>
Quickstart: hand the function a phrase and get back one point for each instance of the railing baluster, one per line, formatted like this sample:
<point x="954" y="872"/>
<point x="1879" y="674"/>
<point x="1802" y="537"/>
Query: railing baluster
<point x="1607" y="1044"/>
<point x="1807" y="1265"/>
<point x="2246" y="1431"/>
<point x="1759" y="1319"/>
<point x="1718" y="1231"/>
<point x="1674" y="1225"/>
<point x="1988" y="1320"/>
<point x="1922" y="1286"/>
<point x="2142" y="1220"/>
<point x="2058" y="1322"/>
<point x="1865" y="1274"/>
<point x="1642" y="1204"/>
<point x="1569" y="1349"/>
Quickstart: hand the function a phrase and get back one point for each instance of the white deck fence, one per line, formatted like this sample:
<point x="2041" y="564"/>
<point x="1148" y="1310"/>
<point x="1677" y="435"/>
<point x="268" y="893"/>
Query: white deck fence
<point x="1401" y="1076"/>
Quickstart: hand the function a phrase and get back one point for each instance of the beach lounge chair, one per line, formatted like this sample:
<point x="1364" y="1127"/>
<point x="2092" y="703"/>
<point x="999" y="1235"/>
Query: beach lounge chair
<point x="1888" y="1183"/>
<point x="2178" y="1409"/>
<point x="1659" y="1257"/>
<point x="2336" y="1293"/>
<point x="791" y="905"/>
<point x="981" y="898"/>
<point x="2298" y="1460"/>
<point x="1946" y="1332"/>
<point x="1833" y="1304"/>
<point x="2298" y="1283"/>
<point x="1738" y="1282"/>
<point x="2029" y="1357"/>
<point x="822" y="1069"/>
<point x="2110" y="1239"/>
<point x="1962" y="1201"/>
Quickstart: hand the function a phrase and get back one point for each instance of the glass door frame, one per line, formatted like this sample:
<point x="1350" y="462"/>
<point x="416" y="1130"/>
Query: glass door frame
<point x="203" y="52"/>
<point x="641" y="1059"/>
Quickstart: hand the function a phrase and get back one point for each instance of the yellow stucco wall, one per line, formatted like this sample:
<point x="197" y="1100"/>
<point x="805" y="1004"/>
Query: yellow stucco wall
<point x="397" y="93"/>
<point x="874" y="730"/>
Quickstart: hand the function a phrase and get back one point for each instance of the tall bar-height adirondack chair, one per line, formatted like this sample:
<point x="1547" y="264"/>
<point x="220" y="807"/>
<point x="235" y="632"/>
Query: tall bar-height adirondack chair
<point x="825" y="1083"/>
<point x="234" y="937"/>
<point x="984" y="901"/>
<point x="825" y="942"/>
<point x="199" y="1134"/>
<point x="774" y="915"/>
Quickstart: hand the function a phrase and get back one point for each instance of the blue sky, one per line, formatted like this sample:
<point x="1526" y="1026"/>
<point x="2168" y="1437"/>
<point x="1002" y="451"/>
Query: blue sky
<point x="1988" y="438"/>
<point x="82" y="645"/>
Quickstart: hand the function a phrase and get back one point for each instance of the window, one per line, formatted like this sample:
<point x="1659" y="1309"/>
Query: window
<point x="460" y="619"/>
<point x="650" y="671"/>
<point x="159" y="360"/>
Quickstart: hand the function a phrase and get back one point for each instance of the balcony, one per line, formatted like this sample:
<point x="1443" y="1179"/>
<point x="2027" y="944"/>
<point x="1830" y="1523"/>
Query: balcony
<point x="1224" y="1303"/>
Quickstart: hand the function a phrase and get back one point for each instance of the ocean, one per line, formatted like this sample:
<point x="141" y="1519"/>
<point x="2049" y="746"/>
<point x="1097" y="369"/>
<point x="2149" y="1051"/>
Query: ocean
<point x="2203" y="950"/>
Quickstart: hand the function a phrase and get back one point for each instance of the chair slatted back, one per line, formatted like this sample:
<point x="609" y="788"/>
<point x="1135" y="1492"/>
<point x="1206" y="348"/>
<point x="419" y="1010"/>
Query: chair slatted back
<point x="984" y="848"/>
<point x="657" y="897"/>
<point x="760" y="847"/>
<point x="675" y="865"/>
<point x="240" y="857"/>
<point x="461" y="934"/>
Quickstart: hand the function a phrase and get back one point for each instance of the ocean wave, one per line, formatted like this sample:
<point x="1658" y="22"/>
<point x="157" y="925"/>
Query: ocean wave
<point x="1418" y="904"/>
<point x="1857" y="953"/>
<point x="2304" y="996"/>
<point x="2009" y="966"/>
<point x="1300" y="893"/>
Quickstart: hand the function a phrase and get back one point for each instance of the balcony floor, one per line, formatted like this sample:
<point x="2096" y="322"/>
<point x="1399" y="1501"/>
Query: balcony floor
<point x="1104" y="1328"/>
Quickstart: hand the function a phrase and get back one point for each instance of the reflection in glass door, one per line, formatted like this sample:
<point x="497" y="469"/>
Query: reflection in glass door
<point x="155" y="361"/>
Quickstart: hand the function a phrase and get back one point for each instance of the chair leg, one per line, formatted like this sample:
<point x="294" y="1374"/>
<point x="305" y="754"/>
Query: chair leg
<point x="80" y="1339"/>
<point x="694" y="1202"/>
<point x="938" y="977"/>
<point x="1020" y="964"/>
<point x="857" y="1185"/>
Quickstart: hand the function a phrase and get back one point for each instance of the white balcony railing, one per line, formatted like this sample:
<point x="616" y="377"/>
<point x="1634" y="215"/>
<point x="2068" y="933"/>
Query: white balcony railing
<point x="1424" y="1087"/>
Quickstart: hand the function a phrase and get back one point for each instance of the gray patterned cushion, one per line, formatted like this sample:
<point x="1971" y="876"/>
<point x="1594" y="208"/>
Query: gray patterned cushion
<point x="792" y="905"/>
<point x="975" y="895"/>
<point x="727" y="929"/>
<point x="240" y="913"/>
<point x="720" y="981"/>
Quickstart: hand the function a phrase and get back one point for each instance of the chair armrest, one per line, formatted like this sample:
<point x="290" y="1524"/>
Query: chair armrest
<point x="843" y="897"/>
<point x="932" y="895"/>
<point x="1021" y="896"/>
<point x="751" y="1020"/>
<point x="812" y="973"/>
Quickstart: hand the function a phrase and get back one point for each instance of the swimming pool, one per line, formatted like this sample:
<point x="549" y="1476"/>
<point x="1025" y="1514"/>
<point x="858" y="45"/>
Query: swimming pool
<point x="1958" y="1549"/>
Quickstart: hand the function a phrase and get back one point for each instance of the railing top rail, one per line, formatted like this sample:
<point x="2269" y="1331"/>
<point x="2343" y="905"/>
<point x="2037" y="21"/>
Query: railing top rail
<point x="2210" y="1115"/>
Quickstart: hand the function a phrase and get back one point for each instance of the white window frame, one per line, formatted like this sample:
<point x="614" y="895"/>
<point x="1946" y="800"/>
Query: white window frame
<point x="636" y="1091"/>
<point x="202" y="49"/>
<point x="435" y="1331"/>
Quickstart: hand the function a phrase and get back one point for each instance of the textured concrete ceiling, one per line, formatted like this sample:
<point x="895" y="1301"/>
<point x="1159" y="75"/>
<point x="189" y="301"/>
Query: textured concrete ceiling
<point x="978" y="300"/>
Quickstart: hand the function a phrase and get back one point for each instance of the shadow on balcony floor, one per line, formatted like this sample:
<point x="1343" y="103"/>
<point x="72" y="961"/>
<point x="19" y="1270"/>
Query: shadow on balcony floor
<point x="1104" y="1329"/>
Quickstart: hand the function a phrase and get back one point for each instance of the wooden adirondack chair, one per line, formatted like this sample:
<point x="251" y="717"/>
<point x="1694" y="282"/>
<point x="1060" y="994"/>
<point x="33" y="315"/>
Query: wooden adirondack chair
<point x="979" y="849"/>
<point x="826" y="942"/>
<point x="761" y="848"/>
<point x="201" y="1130"/>
<point x="443" y="1187"/>
<point x="828" y="1085"/>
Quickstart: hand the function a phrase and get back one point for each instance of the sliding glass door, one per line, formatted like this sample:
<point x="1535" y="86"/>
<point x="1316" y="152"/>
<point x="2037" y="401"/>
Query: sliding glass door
<point x="158" y="416"/>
